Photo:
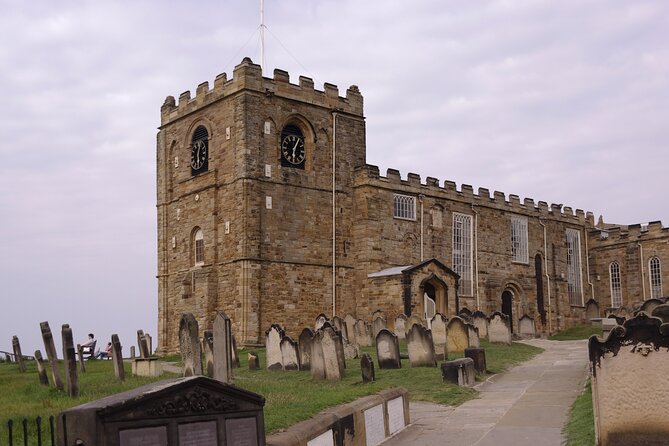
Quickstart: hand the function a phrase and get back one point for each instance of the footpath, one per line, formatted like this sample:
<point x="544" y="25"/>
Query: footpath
<point x="525" y="406"/>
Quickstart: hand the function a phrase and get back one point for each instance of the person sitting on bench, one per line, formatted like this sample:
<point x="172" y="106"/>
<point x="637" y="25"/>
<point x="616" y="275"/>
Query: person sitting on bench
<point x="88" y="347"/>
<point x="107" y="353"/>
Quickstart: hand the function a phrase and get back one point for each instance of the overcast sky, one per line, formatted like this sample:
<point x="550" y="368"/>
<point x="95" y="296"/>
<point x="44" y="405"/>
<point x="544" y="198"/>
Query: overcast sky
<point x="561" y="101"/>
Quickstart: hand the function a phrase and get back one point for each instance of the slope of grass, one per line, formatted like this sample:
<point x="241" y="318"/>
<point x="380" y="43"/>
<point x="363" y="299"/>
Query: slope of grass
<point x="580" y="429"/>
<point x="577" y="332"/>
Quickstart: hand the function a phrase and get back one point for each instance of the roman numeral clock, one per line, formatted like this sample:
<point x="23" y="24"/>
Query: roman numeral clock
<point x="292" y="147"/>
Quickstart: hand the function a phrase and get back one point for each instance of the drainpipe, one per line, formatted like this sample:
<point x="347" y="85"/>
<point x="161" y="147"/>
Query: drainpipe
<point x="334" y="214"/>
<point x="643" y="275"/>
<point x="587" y="265"/>
<point x="476" y="255"/>
<point x="548" y="279"/>
<point x="422" y="256"/>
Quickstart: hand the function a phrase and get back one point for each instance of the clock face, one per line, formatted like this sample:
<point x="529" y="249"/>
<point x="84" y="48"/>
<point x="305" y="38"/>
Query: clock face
<point x="292" y="149"/>
<point x="198" y="155"/>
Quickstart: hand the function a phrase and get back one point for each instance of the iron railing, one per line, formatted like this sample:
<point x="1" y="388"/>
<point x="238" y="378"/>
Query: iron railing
<point x="25" y="432"/>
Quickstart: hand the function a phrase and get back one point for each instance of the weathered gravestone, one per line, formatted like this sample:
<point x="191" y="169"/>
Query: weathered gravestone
<point x="191" y="411"/>
<point x="339" y="324"/>
<point x="421" y="347"/>
<point x="208" y="350"/>
<point x="362" y="334"/>
<point x="132" y="352"/>
<point x="189" y="344"/>
<point x="41" y="370"/>
<point x="649" y="305"/>
<point x="378" y="324"/>
<point x="222" y="348"/>
<point x="474" y="339"/>
<point x="630" y="382"/>
<point x="480" y="321"/>
<point x="388" y="350"/>
<point x="526" y="326"/>
<point x="149" y="343"/>
<point x="438" y="326"/>
<point x="273" y="338"/>
<point x="459" y="371"/>
<point x="400" y="326"/>
<point x="254" y="362"/>
<point x="142" y="344"/>
<point x="592" y="309"/>
<point x="70" y="361"/>
<point x="367" y="368"/>
<point x="478" y="356"/>
<point x="414" y="319"/>
<point x="51" y="355"/>
<point x="305" y="341"/>
<point x="499" y="328"/>
<point x="465" y="314"/>
<point x="290" y="354"/>
<point x="349" y="322"/>
<point x="320" y="320"/>
<point x="80" y="356"/>
<point x="351" y="351"/>
<point x="457" y="339"/>
<point x="378" y="313"/>
<point x="662" y="311"/>
<point x="117" y="358"/>
<point x="326" y="361"/>
<point x="16" y="346"/>
<point x="233" y="351"/>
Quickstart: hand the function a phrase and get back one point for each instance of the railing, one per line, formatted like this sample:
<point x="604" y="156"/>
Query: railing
<point x="26" y="433"/>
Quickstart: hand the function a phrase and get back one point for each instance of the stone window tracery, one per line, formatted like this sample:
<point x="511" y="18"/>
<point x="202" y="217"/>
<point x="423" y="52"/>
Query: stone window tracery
<point x="462" y="252"/>
<point x="616" y="289"/>
<point x="519" y="251"/>
<point x="655" y="277"/>
<point x="574" y="282"/>
<point x="404" y="207"/>
<point x="198" y="240"/>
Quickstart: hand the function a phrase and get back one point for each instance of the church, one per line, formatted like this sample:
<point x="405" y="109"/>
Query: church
<point x="268" y="211"/>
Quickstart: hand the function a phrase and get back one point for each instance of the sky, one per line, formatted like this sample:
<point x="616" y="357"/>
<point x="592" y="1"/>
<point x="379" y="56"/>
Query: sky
<point x="563" y="102"/>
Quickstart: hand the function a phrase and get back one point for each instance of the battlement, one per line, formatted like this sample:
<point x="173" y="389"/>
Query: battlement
<point x="369" y="175"/>
<point x="248" y="76"/>
<point x="626" y="233"/>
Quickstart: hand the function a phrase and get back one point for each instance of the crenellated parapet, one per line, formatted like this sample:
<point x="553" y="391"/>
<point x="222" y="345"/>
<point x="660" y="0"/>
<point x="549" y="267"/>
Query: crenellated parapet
<point x="369" y="175"/>
<point x="248" y="76"/>
<point x="630" y="233"/>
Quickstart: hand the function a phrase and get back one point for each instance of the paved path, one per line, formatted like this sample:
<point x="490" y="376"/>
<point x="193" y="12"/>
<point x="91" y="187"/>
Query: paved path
<point x="525" y="406"/>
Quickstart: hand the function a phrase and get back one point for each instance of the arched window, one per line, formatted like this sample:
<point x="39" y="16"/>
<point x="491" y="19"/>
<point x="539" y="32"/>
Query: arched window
<point x="655" y="277"/>
<point x="616" y="290"/>
<point x="198" y="242"/>
<point x="199" y="151"/>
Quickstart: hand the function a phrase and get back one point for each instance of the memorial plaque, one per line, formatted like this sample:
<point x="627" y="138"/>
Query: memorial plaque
<point x="198" y="434"/>
<point x="241" y="432"/>
<point x="375" y="431"/>
<point x="395" y="415"/>
<point x="147" y="436"/>
<point x="324" y="439"/>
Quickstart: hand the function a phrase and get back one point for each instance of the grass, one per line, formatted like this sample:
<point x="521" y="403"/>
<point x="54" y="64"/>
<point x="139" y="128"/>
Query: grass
<point x="580" y="429"/>
<point x="290" y="396"/>
<point x="577" y="332"/>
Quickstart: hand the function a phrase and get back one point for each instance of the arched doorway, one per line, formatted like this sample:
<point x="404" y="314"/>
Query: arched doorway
<point x="507" y="306"/>
<point x="429" y="302"/>
<point x="433" y="297"/>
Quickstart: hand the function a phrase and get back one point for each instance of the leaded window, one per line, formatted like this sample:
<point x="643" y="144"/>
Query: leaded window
<point x="655" y="277"/>
<point x="616" y="289"/>
<point x="574" y="282"/>
<point x="404" y="207"/>
<point x="462" y="252"/>
<point x="519" y="251"/>
<point x="199" y="246"/>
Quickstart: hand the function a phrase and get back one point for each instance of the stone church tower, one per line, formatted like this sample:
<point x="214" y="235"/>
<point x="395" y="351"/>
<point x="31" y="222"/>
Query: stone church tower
<point x="247" y="173"/>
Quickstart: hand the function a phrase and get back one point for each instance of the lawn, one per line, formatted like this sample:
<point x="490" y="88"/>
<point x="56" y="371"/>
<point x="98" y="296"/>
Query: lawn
<point x="580" y="429"/>
<point x="577" y="332"/>
<point x="290" y="396"/>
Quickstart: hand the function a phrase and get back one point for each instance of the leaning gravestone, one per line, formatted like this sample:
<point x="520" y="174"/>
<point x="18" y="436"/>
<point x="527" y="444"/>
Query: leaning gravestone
<point x="51" y="355"/>
<point x="208" y="350"/>
<point x="499" y="328"/>
<point x="457" y="339"/>
<point x="290" y="354"/>
<point x="332" y="359"/>
<point x="480" y="321"/>
<point x="117" y="358"/>
<point x="367" y="368"/>
<point x="438" y="326"/>
<point x="378" y="324"/>
<point x="304" y="342"/>
<point x="16" y="346"/>
<point x="143" y="346"/>
<point x="526" y="326"/>
<point x="362" y="335"/>
<point x="474" y="339"/>
<point x="400" y="326"/>
<point x="189" y="344"/>
<point x="41" y="370"/>
<point x="222" y="348"/>
<point x="421" y="347"/>
<point x="273" y="338"/>
<point x="254" y="362"/>
<point x="192" y="411"/>
<point x="349" y="322"/>
<point x="339" y="324"/>
<point x="80" y="356"/>
<point x="317" y="360"/>
<point x="70" y="361"/>
<point x="388" y="350"/>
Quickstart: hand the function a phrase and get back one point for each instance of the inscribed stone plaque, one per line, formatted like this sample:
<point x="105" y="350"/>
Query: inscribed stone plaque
<point x="324" y="439"/>
<point x="147" y="436"/>
<point x="241" y="432"/>
<point x="395" y="415"/>
<point x="375" y="431"/>
<point x="198" y="434"/>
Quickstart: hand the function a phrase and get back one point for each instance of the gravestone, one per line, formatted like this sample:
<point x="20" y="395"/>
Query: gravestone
<point x="459" y="371"/>
<point x="649" y="305"/>
<point x="367" y="368"/>
<point x="499" y="328"/>
<point x="526" y="326"/>
<point x="332" y="359"/>
<point x="465" y="314"/>
<point x="16" y="346"/>
<point x="51" y="355"/>
<point x="630" y="382"/>
<point x="191" y="411"/>
<point x="317" y="360"/>
<point x="362" y="335"/>
<point x="70" y="361"/>
<point x="233" y="351"/>
<point x="254" y="362"/>
<point x="290" y="354"/>
<point x="149" y="343"/>
<point x="478" y="356"/>
<point x="592" y="309"/>
<point x="41" y="370"/>
<point x="208" y="350"/>
<point x="378" y="313"/>
<point x="400" y="326"/>
<point x="349" y="322"/>
<point x="320" y="320"/>
<point x="421" y="347"/>
<point x="80" y="356"/>
<point x="189" y="344"/>
<point x="117" y="358"/>
<point x="388" y="350"/>
<point x="474" y="339"/>
<point x="480" y="321"/>
<point x="305" y="341"/>
<point x="132" y="352"/>
<point x="662" y="311"/>
<point x="351" y="351"/>
<point x="438" y="326"/>
<point x="339" y="324"/>
<point x="143" y="346"/>
<point x="457" y="339"/>
<point x="273" y="338"/>
<point x="378" y="324"/>
<point x="414" y="319"/>
<point x="222" y="348"/>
